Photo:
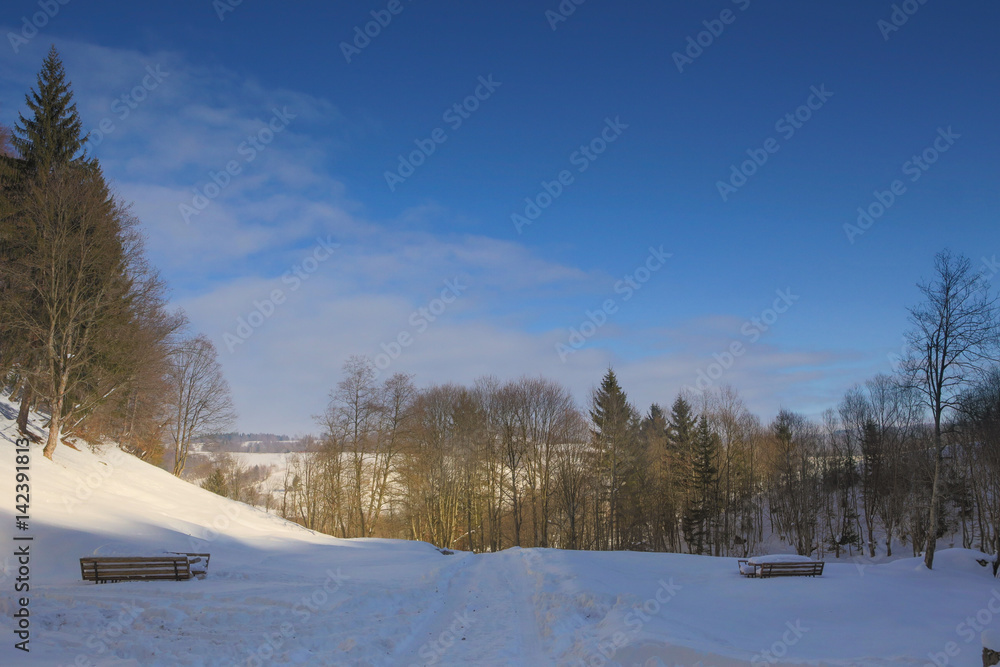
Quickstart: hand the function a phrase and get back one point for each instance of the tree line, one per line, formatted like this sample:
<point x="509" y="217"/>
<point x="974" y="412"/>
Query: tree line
<point x="907" y="457"/>
<point x="86" y="334"/>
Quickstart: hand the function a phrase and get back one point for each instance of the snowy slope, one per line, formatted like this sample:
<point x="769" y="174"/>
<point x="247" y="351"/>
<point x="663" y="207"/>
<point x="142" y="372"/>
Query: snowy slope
<point x="279" y="594"/>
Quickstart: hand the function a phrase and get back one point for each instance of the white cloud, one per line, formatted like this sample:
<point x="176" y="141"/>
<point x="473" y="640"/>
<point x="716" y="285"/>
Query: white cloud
<point x="266" y="222"/>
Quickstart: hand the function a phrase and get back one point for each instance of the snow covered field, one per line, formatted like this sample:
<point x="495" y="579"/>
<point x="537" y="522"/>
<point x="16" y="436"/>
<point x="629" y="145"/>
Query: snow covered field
<point x="277" y="594"/>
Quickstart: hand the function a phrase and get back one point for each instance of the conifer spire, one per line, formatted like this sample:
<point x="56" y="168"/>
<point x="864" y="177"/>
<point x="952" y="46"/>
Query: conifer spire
<point x="53" y="136"/>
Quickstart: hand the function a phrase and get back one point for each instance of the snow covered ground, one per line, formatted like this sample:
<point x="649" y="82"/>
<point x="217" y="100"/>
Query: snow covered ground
<point x="277" y="594"/>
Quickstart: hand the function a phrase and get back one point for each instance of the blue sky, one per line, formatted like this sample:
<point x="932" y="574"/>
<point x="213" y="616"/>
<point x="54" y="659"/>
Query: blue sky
<point x="311" y="219"/>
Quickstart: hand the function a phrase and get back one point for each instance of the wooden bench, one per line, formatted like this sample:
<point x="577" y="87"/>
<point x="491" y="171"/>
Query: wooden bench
<point x="109" y="569"/>
<point x="765" y="570"/>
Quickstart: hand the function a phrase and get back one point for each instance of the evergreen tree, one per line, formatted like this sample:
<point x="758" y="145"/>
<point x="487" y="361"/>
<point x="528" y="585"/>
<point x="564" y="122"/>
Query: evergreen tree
<point x="680" y="429"/>
<point x="216" y="483"/>
<point x="654" y="424"/>
<point x="53" y="135"/>
<point x="615" y="434"/>
<point x="49" y="140"/>
<point x="680" y="441"/>
<point x="705" y="478"/>
<point x="9" y="170"/>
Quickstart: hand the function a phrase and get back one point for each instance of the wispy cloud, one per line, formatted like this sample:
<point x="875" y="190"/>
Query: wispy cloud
<point x="267" y="220"/>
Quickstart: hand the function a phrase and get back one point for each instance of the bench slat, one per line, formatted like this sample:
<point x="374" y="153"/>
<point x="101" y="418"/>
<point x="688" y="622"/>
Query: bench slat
<point x="122" y="568"/>
<point x="135" y="569"/>
<point x="134" y="577"/>
<point x="131" y="570"/>
<point x="132" y="566"/>
<point x="137" y="559"/>
<point x="791" y="569"/>
<point x="125" y="571"/>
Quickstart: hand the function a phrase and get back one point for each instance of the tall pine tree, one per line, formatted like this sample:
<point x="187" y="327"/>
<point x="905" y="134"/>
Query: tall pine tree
<point x="615" y="435"/>
<point x="681" y="427"/>
<point x="680" y="440"/>
<point x="53" y="135"/>
<point x="704" y="505"/>
<point x="47" y="141"/>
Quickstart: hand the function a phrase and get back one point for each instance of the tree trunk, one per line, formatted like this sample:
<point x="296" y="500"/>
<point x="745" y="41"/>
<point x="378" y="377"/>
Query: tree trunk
<point x="55" y="424"/>
<point x="996" y="563"/>
<point x="870" y="524"/>
<point x="27" y="395"/>
<point x="933" y="517"/>
<point x="180" y="458"/>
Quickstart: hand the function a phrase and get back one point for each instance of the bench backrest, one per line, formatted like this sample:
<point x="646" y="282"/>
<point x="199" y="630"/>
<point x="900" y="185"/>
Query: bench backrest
<point x="790" y="569"/>
<point x="134" y="567"/>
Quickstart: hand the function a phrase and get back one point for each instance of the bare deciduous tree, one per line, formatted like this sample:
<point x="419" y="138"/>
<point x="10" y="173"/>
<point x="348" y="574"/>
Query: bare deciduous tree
<point x="366" y="423"/>
<point x="954" y="334"/>
<point x="200" y="400"/>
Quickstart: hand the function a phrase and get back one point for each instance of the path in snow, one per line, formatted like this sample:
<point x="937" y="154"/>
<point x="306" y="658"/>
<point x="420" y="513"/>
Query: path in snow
<point x="486" y="616"/>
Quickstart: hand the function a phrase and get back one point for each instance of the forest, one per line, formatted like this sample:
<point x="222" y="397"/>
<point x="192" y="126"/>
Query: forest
<point x="904" y="459"/>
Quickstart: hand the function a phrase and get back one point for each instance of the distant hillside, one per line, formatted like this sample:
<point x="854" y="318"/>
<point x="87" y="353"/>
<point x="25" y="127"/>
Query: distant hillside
<point x="252" y="443"/>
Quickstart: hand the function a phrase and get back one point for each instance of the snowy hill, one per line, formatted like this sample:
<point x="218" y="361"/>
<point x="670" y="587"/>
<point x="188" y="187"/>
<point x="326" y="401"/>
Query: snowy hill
<point x="279" y="594"/>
